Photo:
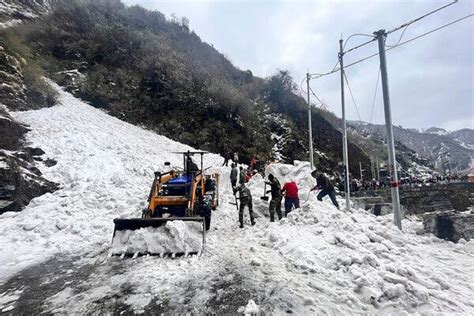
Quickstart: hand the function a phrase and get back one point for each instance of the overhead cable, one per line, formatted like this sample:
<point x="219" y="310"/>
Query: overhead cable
<point x="404" y="25"/>
<point x="352" y="96"/>
<point x="375" y="96"/>
<point x="315" y="76"/>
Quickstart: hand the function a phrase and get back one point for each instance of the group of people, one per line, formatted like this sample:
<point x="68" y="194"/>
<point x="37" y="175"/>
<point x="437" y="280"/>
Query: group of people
<point x="289" y="191"/>
<point x="408" y="181"/>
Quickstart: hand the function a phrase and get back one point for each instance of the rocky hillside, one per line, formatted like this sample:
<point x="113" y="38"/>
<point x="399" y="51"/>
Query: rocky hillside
<point x="13" y="12"/>
<point x="443" y="149"/>
<point x="156" y="72"/>
<point x="21" y="88"/>
<point x="20" y="178"/>
<point x="464" y="137"/>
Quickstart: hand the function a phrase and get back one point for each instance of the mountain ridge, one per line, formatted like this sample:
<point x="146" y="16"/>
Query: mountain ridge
<point x="449" y="151"/>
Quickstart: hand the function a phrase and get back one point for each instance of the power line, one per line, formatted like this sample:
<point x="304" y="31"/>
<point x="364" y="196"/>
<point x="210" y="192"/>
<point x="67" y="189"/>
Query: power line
<point x="433" y="30"/>
<point x="395" y="46"/>
<point x="358" y="61"/>
<point x="352" y="96"/>
<point x="357" y="34"/>
<point x="317" y="75"/>
<point x="421" y="17"/>
<point x="399" y="39"/>
<point x="359" y="46"/>
<point x="403" y="26"/>
<point x="375" y="96"/>
<point x="301" y="84"/>
<point x="317" y="98"/>
<point x="321" y="104"/>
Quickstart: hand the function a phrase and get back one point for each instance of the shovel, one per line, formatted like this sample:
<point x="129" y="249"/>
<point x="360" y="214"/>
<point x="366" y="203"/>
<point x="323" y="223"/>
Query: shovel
<point x="264" y="197"/>
<point x="236" y="204"/>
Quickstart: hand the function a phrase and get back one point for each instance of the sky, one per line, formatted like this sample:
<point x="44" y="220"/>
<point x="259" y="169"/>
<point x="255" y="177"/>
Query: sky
<point x="430" y="79"/>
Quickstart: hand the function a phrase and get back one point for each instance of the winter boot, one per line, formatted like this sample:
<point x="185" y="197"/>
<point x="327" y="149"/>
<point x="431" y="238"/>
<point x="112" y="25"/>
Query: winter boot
<point x="241" y="225"/>
<point x="253" y="222"/>
<point x="272" y="217"/>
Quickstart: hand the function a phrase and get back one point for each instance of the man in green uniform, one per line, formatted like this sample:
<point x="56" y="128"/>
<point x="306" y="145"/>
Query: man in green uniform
<point x="245" y="200"/>
<point x="275" y="202"/>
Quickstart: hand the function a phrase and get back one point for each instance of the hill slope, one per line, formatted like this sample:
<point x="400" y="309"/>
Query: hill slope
<point x="442" y="149"/>
<point x="151" y="71"/>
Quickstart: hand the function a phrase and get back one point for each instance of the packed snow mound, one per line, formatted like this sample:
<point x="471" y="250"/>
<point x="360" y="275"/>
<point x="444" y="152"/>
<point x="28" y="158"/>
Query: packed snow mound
<point x="251" y="309"/>
<point x="173" y="237"/>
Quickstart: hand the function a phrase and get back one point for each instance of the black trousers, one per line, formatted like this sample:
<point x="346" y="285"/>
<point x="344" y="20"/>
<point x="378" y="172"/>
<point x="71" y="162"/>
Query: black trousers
<point x="332" y="196"/>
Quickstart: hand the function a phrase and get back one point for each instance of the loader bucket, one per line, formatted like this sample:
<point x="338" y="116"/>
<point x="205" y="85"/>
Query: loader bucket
<point x="170" y="236"/>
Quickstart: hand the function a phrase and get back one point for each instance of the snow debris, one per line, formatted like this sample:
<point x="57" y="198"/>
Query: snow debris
<point x="251" y="308"/>
<point x="3" y="164"/>
<point x="8" y="299"/>
<point x="172" y="237"/>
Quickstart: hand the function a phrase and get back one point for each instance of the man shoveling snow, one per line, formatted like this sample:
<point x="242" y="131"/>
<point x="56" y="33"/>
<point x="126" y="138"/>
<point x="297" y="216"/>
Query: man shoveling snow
<point x="326" y="187"/>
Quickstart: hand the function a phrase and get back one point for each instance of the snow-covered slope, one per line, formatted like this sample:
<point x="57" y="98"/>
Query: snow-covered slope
<point x="13" y="11"/>
<point x="104" y="167"/>
<point x="318" y="260"/>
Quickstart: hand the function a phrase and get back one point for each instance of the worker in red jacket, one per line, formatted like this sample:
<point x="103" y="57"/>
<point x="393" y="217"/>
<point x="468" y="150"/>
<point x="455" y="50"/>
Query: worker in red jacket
<point x="290" y="190"/>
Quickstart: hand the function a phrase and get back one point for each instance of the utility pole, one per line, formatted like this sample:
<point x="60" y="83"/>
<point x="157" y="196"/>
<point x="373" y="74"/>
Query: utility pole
<point x="344" y="130"/>
<point x="449" y="163"/>
<point x="360" y="168"/>
<point x="394" y="184"/>
<point x="377" y="168"/>
<point x="372" y="168"/>
<point x="310" y="129"/>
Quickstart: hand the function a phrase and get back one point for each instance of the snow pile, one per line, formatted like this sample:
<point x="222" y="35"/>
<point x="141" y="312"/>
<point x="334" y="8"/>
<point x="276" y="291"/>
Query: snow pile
<point x="7" y="300"/>
<point x="317" y="261"/>
<point x="105" y="169"/>
<point x="251" y="308"/>
<point x="170" y="238"/>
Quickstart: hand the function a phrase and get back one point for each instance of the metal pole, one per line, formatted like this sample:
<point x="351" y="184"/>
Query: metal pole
<point x="394" y="184"/>
<point x="360" y="168"/>
<point x="443" y="164"/>
<point x="310" y="129"/>
<point x="344" y="130"/>
<point x="377" y="168"/>
<point x="449" y="164"/>
<point x="372" y="168"/>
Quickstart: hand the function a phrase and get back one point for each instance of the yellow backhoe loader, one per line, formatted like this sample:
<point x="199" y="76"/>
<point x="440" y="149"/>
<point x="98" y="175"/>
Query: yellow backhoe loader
<point x="187" y="196"/>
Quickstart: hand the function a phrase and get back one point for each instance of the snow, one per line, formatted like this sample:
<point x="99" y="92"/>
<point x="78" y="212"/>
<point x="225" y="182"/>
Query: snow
<point x="172" y="237"/>
<point x="3" y="164"/>
<point x="317" y="261"/>
<point x="8" y="299"/>
<point x="251" y="308"/>
<point x="97" y="156"/>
